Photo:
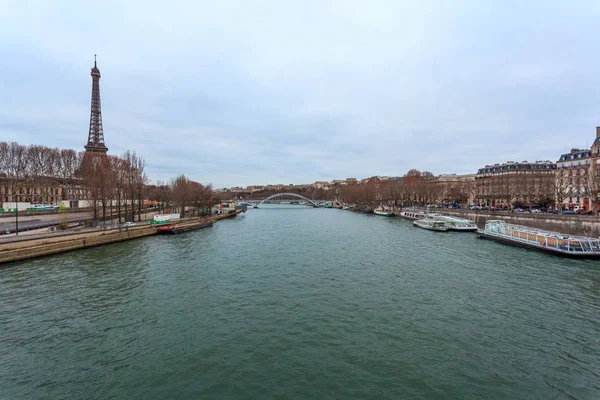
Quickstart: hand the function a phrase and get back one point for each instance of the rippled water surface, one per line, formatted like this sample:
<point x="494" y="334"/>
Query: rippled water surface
<point x="301" y="303"/>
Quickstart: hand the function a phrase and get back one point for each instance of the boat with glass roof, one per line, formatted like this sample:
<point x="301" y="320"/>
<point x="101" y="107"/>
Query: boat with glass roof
<point x="431" y="224"/>
<point x="457" y="224"/>
<point x="546" y="241"/>
<point x="413" y="215"/>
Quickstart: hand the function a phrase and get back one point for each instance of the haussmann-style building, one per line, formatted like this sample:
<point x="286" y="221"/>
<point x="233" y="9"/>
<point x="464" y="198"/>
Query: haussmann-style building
<point x="506" y="185"/>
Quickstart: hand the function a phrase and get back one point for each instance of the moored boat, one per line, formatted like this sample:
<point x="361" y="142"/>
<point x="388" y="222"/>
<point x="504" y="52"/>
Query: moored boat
<point x="431" y="224"/>
<point x="545" y="241"/>
<point x="412" y="215"/>
<point x="384" y="213"/>
<point x="458" y="224"/>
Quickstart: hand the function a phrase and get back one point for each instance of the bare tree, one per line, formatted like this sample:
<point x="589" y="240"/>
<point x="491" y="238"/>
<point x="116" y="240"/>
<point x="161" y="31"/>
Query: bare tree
<point x="180" y="187"/>
<point x="202" y="198"/>
<point x="68" y="164"/>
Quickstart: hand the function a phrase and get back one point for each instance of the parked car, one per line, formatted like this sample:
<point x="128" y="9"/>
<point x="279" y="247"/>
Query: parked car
<point x="536" y="211"/>
<point x="519" y="210"/>
<point x="569" y="212"/>
<point x="128" y="224"/>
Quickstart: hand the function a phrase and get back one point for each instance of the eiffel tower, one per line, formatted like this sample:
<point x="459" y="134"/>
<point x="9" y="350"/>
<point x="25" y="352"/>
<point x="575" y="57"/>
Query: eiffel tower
<point x="95" y="142"/>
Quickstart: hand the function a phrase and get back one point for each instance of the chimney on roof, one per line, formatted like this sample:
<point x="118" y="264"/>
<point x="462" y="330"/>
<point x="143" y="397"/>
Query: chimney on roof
<point x="598" y="131"/>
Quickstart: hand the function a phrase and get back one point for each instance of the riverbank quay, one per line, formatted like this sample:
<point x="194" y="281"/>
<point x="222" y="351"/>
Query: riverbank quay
<point x="39" y="247"/>
<point x="579" y="225"/>
<point x="226" y="215"/>
<point x="27" y="248"/>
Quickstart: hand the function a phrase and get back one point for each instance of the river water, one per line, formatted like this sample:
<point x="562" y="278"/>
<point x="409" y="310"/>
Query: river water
<point x="293" y="302"/>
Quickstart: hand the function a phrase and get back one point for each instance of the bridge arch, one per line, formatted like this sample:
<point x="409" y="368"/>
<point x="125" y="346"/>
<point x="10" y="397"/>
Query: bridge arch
<point x="299" y="196"/>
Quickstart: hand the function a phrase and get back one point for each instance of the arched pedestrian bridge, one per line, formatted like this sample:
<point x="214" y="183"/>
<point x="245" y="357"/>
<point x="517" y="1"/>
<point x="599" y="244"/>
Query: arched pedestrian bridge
<point x="284" y="196"/>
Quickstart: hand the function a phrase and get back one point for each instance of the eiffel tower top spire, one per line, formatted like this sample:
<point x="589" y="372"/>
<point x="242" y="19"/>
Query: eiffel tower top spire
<point x="95" y="142"/>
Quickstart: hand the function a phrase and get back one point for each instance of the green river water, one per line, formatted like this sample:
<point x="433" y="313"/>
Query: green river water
<point x="300" y="303"/>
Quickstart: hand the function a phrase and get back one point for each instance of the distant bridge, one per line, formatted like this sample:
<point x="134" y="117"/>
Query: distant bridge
<point x="294" y="195"/>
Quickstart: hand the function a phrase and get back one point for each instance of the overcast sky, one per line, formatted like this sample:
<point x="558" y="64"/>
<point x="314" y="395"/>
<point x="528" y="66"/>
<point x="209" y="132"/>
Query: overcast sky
<point x="256" y="92"/>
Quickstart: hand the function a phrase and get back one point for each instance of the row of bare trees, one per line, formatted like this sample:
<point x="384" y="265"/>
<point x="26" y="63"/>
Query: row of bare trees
<point x="50" y="175"/>
<point x="113" y="185"/>
<point x="414" y="188"/>
<point x="526" y="188"/>
<point x="28" y="167"/>
<point x="184" y="195"/>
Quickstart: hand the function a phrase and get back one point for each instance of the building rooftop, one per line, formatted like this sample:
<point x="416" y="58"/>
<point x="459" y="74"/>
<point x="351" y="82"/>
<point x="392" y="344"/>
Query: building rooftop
<point x="513" y="166"/>
<point x="574" y="155"/>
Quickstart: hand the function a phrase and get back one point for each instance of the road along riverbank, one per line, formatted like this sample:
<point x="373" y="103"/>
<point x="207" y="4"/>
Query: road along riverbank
<point x="39" y="247"/>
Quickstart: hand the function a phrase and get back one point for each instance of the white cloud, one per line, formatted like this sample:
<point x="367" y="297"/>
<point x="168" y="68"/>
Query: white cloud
<point x="235" y="93"/>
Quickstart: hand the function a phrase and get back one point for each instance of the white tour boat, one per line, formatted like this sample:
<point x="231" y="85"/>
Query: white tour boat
<point x="413" y="215"/>
<point x="457" y="224"/>
<point x="384" y="213"/>
<point x="431" y="224"/>
<point x="535" y="239"/>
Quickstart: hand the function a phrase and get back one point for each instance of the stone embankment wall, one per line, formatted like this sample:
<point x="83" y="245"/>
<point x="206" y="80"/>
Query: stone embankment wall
<point x="25" y="249"/>
<point x="42" y="247"/>
<point x="584" y="225"/>
<point x="226" y="215"/>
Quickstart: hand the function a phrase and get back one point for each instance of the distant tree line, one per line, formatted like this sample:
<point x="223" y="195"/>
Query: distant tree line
<point x="414" y="188"/>
<point x="184" y="195"/>
<point x="112" y="184"/>
<point x="419" y="188"/>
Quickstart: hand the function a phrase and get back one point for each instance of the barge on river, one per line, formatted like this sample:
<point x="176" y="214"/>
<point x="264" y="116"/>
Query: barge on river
<point x="184" y="227"/>
<point x="548" y="242"/>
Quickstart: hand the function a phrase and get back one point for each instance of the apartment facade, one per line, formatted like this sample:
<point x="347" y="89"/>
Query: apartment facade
<point x="572" y="180"/>
<point x="50" y="191"/>
<point x="510" y="183"/>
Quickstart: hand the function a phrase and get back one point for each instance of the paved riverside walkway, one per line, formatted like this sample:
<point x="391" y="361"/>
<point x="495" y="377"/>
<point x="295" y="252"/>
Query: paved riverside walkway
<point x="28" y="247"/>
